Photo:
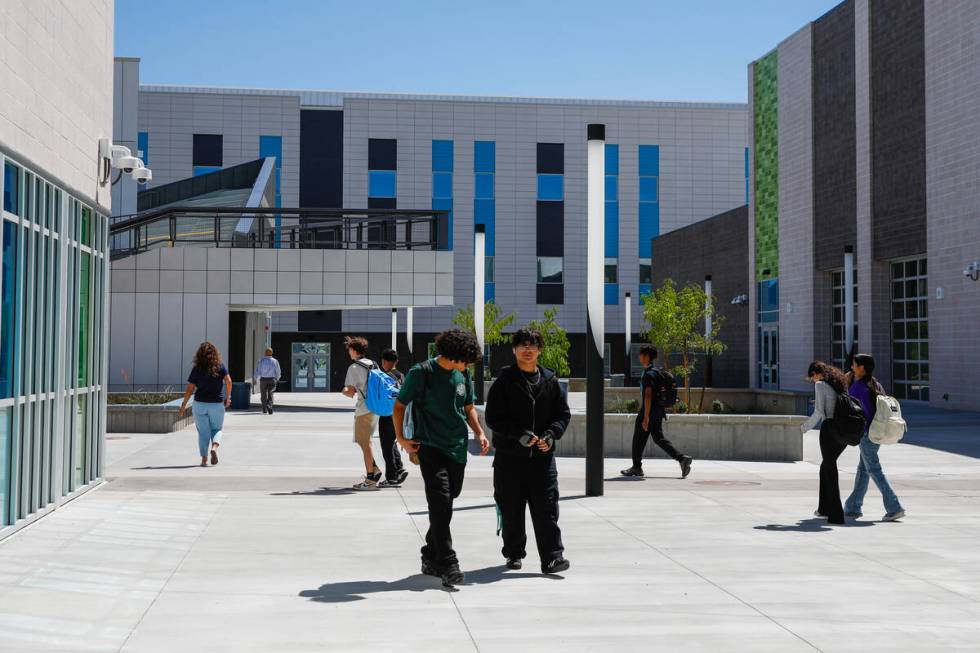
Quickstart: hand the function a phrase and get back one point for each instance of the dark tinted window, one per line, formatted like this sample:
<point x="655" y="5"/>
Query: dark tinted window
<point x="382" y="154"/>
<point x="551" y="158"/>
<point x="208" y="150"/>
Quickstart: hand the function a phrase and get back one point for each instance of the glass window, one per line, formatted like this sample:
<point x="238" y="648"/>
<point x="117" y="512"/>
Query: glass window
<point x="11" y="188"/>
<point x="84" y="316"/>
<point x="612" y="270"/>
<point x="483" y="213"/>
<point x="484" y="156"/>
<point x="143" y="147"/>
<point x="8" y="288"/>
<point x="910" y="330"/>
<point x="650" y="160"/>
<point x="551" y="187"/>
<point x="381" y="183"/>
<point x="550" y="269"/>
<point x="86" y="226"/>
<point x="5" y="435"/>
<point x="838" y="345"/>
<point x="646" y="272"/>
<point x="442" y="156"/>
<point x="648" y="189"/>
<point x="488" y="269"/>
<point x="442" y="184"/>
<point x="208" y="150"/>
<point x="612" y="159"/>
<point x="611" y="291"/>
<point x="484" y="186"/>
<point x="79" y="442"/>
<point x="205" y="170"/>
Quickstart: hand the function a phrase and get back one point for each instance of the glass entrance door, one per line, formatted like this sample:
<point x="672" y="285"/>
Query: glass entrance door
<point x="769" y="357"/>
<point x="311" y="367"/>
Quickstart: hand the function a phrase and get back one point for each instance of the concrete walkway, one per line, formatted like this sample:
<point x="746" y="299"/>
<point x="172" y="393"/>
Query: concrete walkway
<point x="269" y="551"/>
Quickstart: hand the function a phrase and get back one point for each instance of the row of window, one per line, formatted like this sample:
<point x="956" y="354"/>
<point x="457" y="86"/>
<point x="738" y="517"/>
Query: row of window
<point x="53" y="290"/>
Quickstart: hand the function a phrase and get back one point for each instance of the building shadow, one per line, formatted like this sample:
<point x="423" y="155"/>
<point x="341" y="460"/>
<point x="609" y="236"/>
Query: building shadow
<point x="359" y="590"/>
<point x="952" y="431"/>
<point x="256" y="409"/>
<point x="141" y="469"/>
<point x="640" y="479"/>
<point x="814" y="525"/>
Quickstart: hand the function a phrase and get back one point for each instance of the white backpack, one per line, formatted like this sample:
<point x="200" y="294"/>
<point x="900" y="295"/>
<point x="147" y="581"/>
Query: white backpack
<point x="887" y="427"/>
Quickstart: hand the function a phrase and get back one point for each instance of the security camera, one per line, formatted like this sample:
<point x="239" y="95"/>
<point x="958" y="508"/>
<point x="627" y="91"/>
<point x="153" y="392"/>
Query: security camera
<point x="142" y="175"/>
<point x="123" y="159"/>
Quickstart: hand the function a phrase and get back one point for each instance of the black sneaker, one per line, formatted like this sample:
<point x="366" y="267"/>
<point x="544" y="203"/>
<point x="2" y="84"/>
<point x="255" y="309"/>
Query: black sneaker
<point x="633" y="471"/>
<point x="452" y="575"/>
<point x="514" y="563"/>
<point x="263" y="410"/>
<point x="556" y="566"/>
<point x="429" y="568"/>
<point x="685" y="462"/>
<point x="270" y="409"/>
<point x="402" y="475"/>
<point x="375" y="477"/>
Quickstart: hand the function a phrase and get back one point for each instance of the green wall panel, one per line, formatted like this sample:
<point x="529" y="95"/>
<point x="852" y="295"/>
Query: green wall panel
<point x="766" y="127"/>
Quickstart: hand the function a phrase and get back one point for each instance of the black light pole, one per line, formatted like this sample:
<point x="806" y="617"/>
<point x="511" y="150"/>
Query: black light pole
<point x="595" y="331"/>
<point x="479" y="301"/>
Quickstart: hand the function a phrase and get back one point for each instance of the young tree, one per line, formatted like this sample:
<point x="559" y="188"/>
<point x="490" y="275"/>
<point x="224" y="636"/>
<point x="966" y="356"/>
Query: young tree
<point x="676" y="320"/>
<point x="556" y="345"/>
<point x="494" y="323"/>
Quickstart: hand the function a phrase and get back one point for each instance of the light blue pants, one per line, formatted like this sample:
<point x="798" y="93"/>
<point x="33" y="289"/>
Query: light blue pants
<point x="870" y="466"/>
<point x="209" y="418"/>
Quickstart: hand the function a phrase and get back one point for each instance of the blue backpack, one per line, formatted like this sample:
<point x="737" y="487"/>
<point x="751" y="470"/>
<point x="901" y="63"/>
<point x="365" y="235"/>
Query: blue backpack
<point x="380" y="391"/>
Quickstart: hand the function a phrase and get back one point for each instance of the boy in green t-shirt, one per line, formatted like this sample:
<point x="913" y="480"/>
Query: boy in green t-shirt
<point x="441" y="391"/>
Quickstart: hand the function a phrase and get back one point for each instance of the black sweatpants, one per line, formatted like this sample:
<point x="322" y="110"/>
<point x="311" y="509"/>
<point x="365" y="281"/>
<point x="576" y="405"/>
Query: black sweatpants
<point x="640" y="438"/>
<point x="443" y="478"/>
<point x="389" y="448"/>
<point x="520" y="481"/>
<point x="830" y="451"/>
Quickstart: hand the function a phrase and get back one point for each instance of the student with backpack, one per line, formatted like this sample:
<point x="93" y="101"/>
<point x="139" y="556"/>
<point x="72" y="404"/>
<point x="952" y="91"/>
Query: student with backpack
<point x="528" y="413"/>
<point x="395" y="472"/>
<point x="365" y="420"/>
<point x="658" y="391"/>
<point x="829" y="387"/>
<point x="865" y="388"/>
<point x="438" y="394"/>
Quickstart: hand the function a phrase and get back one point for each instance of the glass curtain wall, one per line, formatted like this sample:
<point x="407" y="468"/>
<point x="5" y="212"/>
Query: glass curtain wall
<point x="53" y="302"/>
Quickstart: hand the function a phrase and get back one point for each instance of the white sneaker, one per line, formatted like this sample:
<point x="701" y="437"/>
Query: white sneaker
<point x="894" y="516"/>
<point x="367" y="484"/>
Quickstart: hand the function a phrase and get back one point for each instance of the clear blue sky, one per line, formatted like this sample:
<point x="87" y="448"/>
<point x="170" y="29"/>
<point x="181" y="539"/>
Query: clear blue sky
<point x="653" y="49"/>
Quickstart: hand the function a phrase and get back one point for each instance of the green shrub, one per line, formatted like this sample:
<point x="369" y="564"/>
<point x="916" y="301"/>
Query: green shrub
<point x="718" y="407"/>
<point x="680" y="407"/>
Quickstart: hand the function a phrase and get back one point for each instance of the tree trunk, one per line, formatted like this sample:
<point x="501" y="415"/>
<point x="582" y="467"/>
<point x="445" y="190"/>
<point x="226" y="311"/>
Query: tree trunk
<point x="687" y="380"/>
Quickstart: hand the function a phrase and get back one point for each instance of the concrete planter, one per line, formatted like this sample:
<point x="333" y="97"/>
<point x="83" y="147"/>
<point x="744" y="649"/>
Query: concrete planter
<point x="760" y="438"/>
<point x="144" y="418"/>
<point x="740" y="400"/>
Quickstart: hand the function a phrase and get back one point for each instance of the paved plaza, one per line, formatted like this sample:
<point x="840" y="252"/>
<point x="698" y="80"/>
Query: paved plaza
<point x="269" y="551"/>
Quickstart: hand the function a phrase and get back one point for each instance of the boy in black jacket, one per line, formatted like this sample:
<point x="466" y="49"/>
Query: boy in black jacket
<point x="528" y="412"/>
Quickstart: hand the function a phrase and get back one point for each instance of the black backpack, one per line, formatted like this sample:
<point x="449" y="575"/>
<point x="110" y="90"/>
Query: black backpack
<point x="665" y="393"/>
<point x="848" y="420"/>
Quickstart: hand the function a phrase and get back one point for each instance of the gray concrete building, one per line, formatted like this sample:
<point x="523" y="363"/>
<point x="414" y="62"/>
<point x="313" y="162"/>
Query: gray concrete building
<point x="517" y="165"/>
<point x="863" y="142"/>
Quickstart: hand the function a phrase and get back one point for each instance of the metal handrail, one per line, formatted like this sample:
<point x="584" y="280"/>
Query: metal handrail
<point x="389" y="229"/>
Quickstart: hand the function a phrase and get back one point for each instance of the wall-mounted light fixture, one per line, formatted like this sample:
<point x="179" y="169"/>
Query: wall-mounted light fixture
<point x="972" y="271"/>
<point x="738" y="300"/>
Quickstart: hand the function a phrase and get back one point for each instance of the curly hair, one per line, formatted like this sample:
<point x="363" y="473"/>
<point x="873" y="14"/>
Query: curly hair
<point x="831" y="375"/>
<point x="358" y="343"/>
<point x="458" y="345"/>
<point x="527" y="336"/>
<point x="208" y="359"/>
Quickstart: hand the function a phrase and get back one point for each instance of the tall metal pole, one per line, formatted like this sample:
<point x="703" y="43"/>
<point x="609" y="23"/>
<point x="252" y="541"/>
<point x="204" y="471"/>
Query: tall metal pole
<point x="629" y="340"/>
<point x="708" y="325"/>
<point x="479" y="289"/>
<point x="394" y="329"/>
<point x="848" y="305"/>
<point x="596" y="335"/>
<point x="408" y="334"/>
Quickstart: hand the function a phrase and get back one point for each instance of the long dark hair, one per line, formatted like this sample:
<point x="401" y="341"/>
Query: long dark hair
<point x="208" y="359"/>
<point x="831" y="375"/>
<point x="867" y="361"/>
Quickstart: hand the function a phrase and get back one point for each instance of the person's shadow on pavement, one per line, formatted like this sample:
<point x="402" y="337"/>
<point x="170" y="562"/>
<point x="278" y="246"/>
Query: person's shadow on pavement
<point x="359" y="589"/>
<point x="813" y="525"/>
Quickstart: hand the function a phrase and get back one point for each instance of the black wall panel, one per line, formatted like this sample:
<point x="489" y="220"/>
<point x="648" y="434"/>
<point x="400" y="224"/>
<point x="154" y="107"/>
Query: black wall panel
<point x="551" y="158"/>
<point x="321" y="159"/>
<point x="382" y="154"/>
<point x="208" y="150"/>
<point x="898" y="128"/>
<point x="551" y="229"/>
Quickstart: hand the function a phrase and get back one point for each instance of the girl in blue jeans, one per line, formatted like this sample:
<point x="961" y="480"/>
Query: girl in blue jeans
<point x="210" y="384"/>
<point x="865" y="388"/>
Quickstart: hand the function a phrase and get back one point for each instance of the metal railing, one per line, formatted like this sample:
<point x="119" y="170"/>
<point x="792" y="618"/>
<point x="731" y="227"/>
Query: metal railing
<point x="384" y="229"/>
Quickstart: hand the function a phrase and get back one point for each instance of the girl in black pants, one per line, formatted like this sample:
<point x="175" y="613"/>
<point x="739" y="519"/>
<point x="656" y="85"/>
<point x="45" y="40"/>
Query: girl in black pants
<point x="829" y="382"/>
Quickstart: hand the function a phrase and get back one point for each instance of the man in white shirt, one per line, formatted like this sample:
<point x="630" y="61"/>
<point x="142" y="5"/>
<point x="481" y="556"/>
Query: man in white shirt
<point x="268" y="373"/>
<point x="365" y="422"/>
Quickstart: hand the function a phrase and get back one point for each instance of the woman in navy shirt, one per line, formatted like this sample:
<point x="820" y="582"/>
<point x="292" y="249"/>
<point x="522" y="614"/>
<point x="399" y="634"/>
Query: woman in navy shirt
<point x="210" y="384"/>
